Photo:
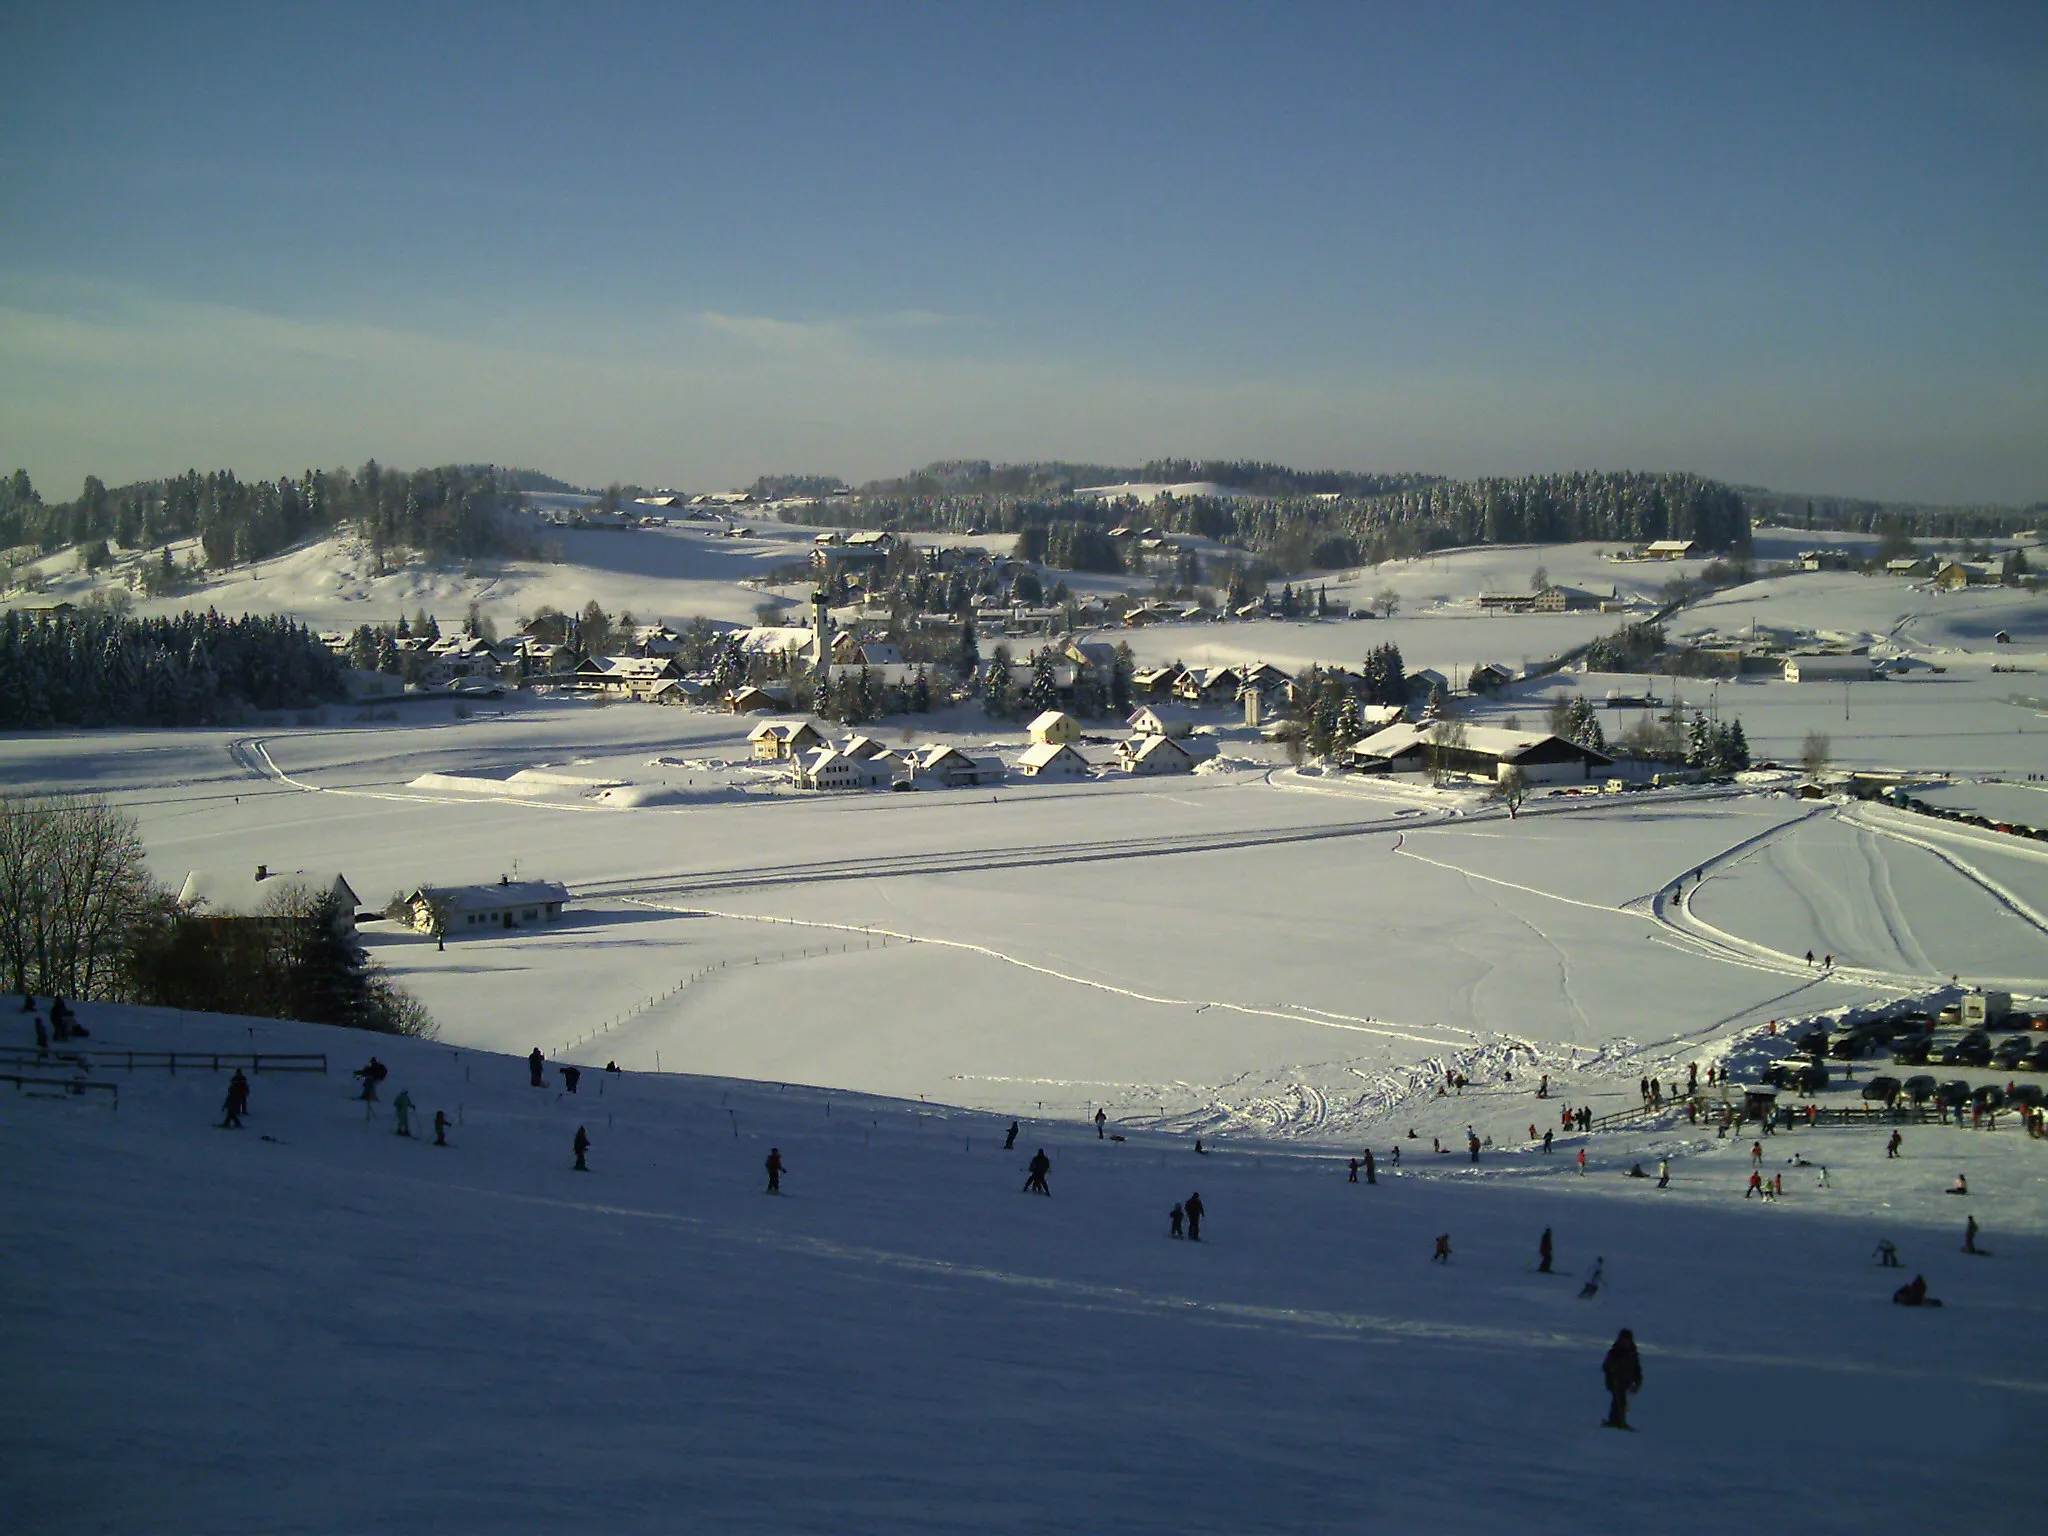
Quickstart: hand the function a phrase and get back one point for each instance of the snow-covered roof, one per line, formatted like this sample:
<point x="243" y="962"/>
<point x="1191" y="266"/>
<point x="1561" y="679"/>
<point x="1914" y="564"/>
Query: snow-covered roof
<point x="1048" y="719"/>
<point x="1151" y="746"/>
<point x="1045" y="752"/>
<point x="1492" y="740"/>
<point x="493" y="897"/>
<point x="256" y="889"/>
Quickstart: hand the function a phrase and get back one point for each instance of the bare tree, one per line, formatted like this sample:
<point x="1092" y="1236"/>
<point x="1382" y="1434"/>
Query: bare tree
<point x="1387" y="601"/>
<point x="74" y="891"/>
<point x="1446" y="737"/>
<point x="1511" y="789"/>
<point x="1814" y="754"/>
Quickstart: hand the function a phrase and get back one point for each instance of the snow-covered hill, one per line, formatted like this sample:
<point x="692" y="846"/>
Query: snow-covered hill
<point x="314" y="1324"/>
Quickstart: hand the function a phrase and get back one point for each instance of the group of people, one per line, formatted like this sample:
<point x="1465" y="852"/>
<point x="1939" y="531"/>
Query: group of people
<point x="63" y="1027"/>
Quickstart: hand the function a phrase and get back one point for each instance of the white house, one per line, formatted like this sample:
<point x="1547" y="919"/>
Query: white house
<point x="1055" y="727"/>
<point x="1161" y="720"/>
<point x="1155" y="754"/>
<point x="470" y="909"/>
<point x="827" y="768"/>
<point x="1830" y="669"/>
<point x="262" y="891"/>
<point x="1052" y="760"/>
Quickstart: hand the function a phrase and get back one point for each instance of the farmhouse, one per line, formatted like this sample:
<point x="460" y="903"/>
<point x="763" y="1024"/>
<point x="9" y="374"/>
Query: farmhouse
<point x="1161" y="720"/>
<point x="778" y="740"/>
<point x="1830" y="669"/>
<point x="1052" y="760"/>
<point x="1488" y="751"/>
<point x="954" y="769"/>
<point x="751" y="700"/>
<point x="1154" y="754"/>
<point x="626" y="676"/>
<point x="460" y="909"/>
<point x="261" y="893"/>
<point x="1055" y="727"/>
<point x="1670" y="549"/>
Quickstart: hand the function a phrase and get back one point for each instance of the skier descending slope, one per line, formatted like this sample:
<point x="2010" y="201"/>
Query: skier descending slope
<point x="1623" y="1370"/>
<point x="1594" y="1279"/>
<point x="1039" y="1166"/>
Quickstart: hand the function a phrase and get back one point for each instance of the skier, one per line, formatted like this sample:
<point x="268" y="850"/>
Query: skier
<point x="1352" y="1176"/>
<point x="1472" y="1144"/>
<point x="571" y="1076"/>
<point x="1543" y="1253"/>
<point x="536" y="1065"/>
<point x="1891" y="1148"/>
<point x="1595" y="1277"/>
<point x="236" y="1104"/>
<point x="42" y="1037"/>
<point x="1886" y="1254"/>
<point x="1546" y="1143"/>
<point x="440" y="1129"/>
<point x="401" y="1108"/>
<point x="582" y="1146"/>
<point x="1372" y="1177"/>
<point x="1039" y="1166"/>
<point x="1663" y="1173"/>
<point x="774" y="1167"/>
<point x="1193" y="1206"/>
<point x="1099" y="1118"/>
<point x="372" y="1074"/>
<point x="1443" y="1249"/>
<point x="1809" y="959"/>
<point x="1010" y="1137"/>
<point x="1970" y="1235"/>
<point x="1623" y="1370"/>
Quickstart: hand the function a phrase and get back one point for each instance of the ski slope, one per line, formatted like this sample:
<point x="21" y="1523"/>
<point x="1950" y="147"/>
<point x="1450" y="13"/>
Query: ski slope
<point x="312" y="1323"/>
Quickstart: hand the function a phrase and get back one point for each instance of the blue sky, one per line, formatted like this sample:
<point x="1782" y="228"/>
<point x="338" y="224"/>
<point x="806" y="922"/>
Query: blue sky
<point x="1805" y="246"/>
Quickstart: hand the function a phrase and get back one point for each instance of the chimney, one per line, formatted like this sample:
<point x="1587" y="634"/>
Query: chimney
<point x="262" y="871"/>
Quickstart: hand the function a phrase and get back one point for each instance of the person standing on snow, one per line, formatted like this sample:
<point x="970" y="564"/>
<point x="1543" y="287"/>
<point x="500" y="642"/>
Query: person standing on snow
<point x="1543" y="1253"/>
<point x="401" y="1109"/>
<point x="1100" y="1117"/>
<point x="1174" y="1218"/>
<point x="1372" y="1177"/>
<point x="1582" y="1162"/>
<point x="236" y="1104"/>
<point x="1891" y="1148"/>
<point x="1663" y="1173"/>
<point x="1352" y="1176"/>
<point x="1886" y="1253"/>
<point x="571" y="1076"/>
<point x="1970" y="1235"/>
<point x="582" y="1145"/>
<point x="1623" y="1372"/>
<point x="1443" y="1249"/>
<point x="1546" y="1143"/>
<point x="536" y="1067"/>
<point x="440" y="1129"/>
<point x="1595" y="1277"/>
<point x="1193" y="1206"/>
<point x="774" y="1167"/>
<point x="1039" y="1166"/>
<point x="1010" y="1137"/>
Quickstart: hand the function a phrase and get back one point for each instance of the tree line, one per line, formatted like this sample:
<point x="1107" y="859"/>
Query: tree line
<point x="80" y="917"/>
<point x="96" y="667"/>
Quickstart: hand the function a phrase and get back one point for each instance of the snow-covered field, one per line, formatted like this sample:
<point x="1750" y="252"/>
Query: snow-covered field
<point x="1286" y="964"/>
<point x="314" y="1324"/>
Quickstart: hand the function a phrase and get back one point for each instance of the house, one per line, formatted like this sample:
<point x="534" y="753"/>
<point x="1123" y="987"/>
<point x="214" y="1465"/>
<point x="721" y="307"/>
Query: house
<point x="453" y="910"/>
<point x="1154" y="682"/>
<point x="1823" y="559"/>
<point x="1906" y="565"/>
<point x="1055" y="727"/>
<point x="827" y="768"/>
<point x="1670" y="549"/>
<point x="750" y="700"/>
<point x="240" y="893"/>
<point x="1160" y="720"/>
<point x="779" y="740"/>
<point x="625" y="676"/>
<point x="1487" y="751"/>
<point x="1096" y="656"/>
<point x="1052" y="760"/>
<point x="862" y="748"/>
<point x="1155" y="754"/>
<point x="1425" y="681"/>
<point x="1209" y="685"/>
<point x="951" y="768"/>
<point x="1488" y="676"/>
<point x="1830" y="669"/>
<point x="1952" y="575"/>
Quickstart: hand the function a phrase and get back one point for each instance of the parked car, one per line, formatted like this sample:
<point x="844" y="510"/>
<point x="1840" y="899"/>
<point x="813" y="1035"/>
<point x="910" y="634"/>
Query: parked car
<point x="1810" y="1078"/>
<point x="1988" y="1096"/>
<point x="2038" y="1061"/>
<point x="1920" y="1089"/>
<point x="1912" y="1051"/>
<point x="2029" y="1094"/>
<point x="2010" y="1052"/>
<point x="1882" y="1090"/>
<point x="1973" y="1050"/>
<point x="1952" y="1093"/>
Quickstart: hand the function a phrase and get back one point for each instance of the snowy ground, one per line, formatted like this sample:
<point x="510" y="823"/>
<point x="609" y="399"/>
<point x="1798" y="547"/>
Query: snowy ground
<point x="313" y="1324"/>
